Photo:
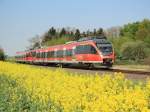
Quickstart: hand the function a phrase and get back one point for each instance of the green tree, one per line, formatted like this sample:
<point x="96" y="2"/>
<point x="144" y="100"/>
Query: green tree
<point x="143" y="30"/>
<point x="77" y="34"/>
<point x="49" y="35"/>
<point x="62" y="32"/>
<point x="52" y="31"/>
<point x="130" y="30"/>
<point x="137" y="30"/>
<point x="100" y="32"/>
<point x="2" y="54"/>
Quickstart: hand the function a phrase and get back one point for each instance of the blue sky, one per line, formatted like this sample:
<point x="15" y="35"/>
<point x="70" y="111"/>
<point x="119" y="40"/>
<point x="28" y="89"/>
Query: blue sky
<point x="21" y="20"/>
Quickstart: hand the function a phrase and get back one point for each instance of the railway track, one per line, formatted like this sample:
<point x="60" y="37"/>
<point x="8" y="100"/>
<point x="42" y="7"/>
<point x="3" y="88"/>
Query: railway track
<point x="132" y="71"/>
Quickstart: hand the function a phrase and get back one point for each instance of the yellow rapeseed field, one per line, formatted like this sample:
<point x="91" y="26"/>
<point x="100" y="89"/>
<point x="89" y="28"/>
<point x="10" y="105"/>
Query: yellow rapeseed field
<point x="27" y="88"/>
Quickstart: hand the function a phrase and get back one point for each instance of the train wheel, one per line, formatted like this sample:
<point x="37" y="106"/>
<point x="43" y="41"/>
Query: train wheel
<point x="109" y="66"/>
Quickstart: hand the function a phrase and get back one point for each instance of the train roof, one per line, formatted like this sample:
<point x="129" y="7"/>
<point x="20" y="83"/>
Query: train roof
<point x="91" y="38"/>
<point x="96" y="39"/>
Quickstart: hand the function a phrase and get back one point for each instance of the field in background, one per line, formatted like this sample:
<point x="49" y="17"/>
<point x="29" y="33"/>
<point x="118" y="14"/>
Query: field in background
<point x="27" y="88"/>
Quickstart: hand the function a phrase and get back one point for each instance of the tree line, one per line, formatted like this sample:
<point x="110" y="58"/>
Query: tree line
<point x="59" y="36"/>
<point x="133" y="43"/>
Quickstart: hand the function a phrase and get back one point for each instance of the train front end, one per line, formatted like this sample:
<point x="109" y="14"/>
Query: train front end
<point x="100" y="52"/>
<point x="106" y="51"/>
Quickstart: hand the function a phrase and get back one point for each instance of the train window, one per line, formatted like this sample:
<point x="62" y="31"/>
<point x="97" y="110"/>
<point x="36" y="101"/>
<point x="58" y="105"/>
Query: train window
<point x="105" y="48"/>
<point x="28" y="54"/>
<point x="38" y="55"/>
<point x="42" y="55"/>
<point x="85" y="49"/>
<point x="50" y="54"/>
<point x="69" y="52"/>
<point x="59" y="53"/>
<point x="64" y="52"/>
<point x="46" y="54"/>
<point x="93" y="50"/>
<point x="33" y="54"/>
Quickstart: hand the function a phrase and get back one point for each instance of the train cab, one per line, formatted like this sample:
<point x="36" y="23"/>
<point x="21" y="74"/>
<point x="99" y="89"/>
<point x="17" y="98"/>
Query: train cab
<point x="101" y="52"/>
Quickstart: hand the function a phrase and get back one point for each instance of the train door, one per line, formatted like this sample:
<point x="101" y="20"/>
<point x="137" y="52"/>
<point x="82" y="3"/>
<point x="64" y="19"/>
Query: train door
<point x="46" y="56"/>
<point x="64" y="54"/>
<point x="73" y="53"/>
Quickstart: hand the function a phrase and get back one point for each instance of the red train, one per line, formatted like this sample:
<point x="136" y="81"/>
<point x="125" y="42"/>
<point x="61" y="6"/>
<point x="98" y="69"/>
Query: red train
<point x="89" y="51"/>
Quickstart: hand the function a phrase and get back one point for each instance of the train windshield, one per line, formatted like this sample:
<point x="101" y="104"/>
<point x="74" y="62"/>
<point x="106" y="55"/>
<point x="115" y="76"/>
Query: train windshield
<point x="106" y="49"/>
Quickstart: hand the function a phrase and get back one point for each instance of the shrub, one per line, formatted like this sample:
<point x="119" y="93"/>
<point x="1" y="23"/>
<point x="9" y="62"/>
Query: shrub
<point x="134" y="50"/>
